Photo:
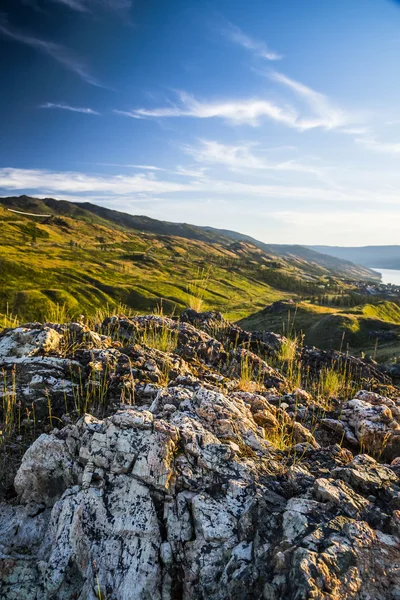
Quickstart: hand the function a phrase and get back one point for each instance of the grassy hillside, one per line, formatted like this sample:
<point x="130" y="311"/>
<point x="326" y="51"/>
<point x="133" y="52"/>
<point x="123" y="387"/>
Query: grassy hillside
<point x="372" y="329"/>
<point x="312" y="256"/>
<point x="305" y="258"/>
<point x="87" y="259"/>
<point x="86" y="262"/>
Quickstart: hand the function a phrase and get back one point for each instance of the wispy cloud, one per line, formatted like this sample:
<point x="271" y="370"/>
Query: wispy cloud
<point x="234" y="111"/>
<point x="89" y="6"/>
<point x="325" y="114"/>
<point x="86" y="111"/>
<point x="127" y="113"/>
<point x="241" y="158"/>
<point x="129" y="166"/>
<point x="75" y="182"/>
<point x="378" y="146"/>
<point x="182" y="171"/>
<point x="148" y="168"/>
<point x="198" y="173"/>
<point x="237" y="36"/>
<point x="78" y="183"/>
<point x="59" y="53"/>
<point x="251" y="111"/>
<point x="74" y="4"/>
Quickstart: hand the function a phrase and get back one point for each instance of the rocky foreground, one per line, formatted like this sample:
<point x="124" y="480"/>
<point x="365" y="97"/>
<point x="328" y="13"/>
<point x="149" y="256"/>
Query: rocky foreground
<point x="173" y="474"/>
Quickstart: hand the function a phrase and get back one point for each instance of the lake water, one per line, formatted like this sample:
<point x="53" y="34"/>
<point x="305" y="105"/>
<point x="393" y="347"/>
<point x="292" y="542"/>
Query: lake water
<point x="389" y="275"/>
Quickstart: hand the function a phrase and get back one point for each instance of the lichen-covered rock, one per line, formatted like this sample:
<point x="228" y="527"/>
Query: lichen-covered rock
<point x="17" y="344"/>
<point x="184" y="486"/>
<point x="342" y="558"/>
<point x="371" y="422"/>
<point x="47" y="470"/>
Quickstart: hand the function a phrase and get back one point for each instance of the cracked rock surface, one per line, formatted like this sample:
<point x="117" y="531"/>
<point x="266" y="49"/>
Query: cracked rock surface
<point x="179" y="490"/>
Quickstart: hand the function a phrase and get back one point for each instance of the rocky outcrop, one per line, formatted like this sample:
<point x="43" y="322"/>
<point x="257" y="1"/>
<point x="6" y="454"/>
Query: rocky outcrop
<point x="370" y="422"/>
<point x="187" y="487"/>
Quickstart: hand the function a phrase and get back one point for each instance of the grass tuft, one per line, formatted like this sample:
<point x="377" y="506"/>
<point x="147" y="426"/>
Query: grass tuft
<point x="196" y="290"/>
<point x="159" y="337"/>
<point x="57" y="313"/>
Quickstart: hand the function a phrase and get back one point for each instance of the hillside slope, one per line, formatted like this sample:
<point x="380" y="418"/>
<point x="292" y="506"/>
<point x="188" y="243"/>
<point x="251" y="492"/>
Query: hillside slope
<point x="87" y="259"/>
<point x="371" y="328"/>
<point x="303" y="256"/>
<point x="346" y="267"/>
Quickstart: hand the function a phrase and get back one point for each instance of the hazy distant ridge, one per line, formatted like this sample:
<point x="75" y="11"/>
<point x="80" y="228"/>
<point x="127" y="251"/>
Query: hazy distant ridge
<point x="386" y="257"/>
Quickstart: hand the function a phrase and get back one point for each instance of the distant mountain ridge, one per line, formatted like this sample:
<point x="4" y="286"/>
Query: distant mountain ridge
<point x="305" y="258"/>
<point x="386" y="257"/>
<point x="213" y="234"/>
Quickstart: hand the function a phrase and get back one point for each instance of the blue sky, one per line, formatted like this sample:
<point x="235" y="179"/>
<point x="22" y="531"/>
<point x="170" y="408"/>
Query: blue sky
<point x="276" y="118"/>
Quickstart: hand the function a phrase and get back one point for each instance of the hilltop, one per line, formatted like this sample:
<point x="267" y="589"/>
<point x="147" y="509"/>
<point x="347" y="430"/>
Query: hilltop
<point x="84" y="257"/>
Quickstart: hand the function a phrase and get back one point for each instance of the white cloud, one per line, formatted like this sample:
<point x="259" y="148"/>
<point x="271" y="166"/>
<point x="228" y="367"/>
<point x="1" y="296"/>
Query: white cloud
<point x="59" y="53"/>
<point x="324" y="113"/>
<point x="237" y="36"/>
<point x="128" y="166"/>
<point x="242" y="158"/>
<point x="190" y="172"/>
<point x="378" y="146"/>
<point x="86" y="111"/>
<point x="74" y="182"/>
<point x="127" y="113"/>
<point x="148" y="167"/>
<point x="50" y="182"/>
<point x="234" y="111"/>
<point x="183" y="171"/>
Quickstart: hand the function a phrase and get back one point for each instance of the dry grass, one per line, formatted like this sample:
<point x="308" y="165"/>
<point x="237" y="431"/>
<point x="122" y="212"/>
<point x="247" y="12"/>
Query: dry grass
<point x="288" y="349"/>
<point x="95" y="321"/>
<point x="8" y="406"/>
<point x="8" y="319"/>
<point x="91" y="396"/>
<point x="196" y="290"/>
<point x="281" y="438"/>
<point x="165" y="371"/>
<point x="250" y="379"/>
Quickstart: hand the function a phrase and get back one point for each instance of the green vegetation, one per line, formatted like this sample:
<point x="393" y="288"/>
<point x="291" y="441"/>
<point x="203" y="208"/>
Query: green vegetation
<point x="83" y="258"/>
<point x="158" y="337"/>
<point x="372" y="329"/>
<point x="71" y="268"/>
<point x="85" y="261"/>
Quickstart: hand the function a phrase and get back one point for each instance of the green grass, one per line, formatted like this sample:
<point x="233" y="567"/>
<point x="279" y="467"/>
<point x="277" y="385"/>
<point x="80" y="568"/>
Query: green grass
<point x="79" y="264"/>
<point x="329" y="327"/>
<point x="135" y="269"/>
<point x="159" y="337"/>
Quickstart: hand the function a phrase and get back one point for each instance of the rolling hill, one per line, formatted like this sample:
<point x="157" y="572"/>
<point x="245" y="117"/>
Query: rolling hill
<point x="84" y="257"/>
<point x="303" y="256"/>
<point x="373" y="329"/>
